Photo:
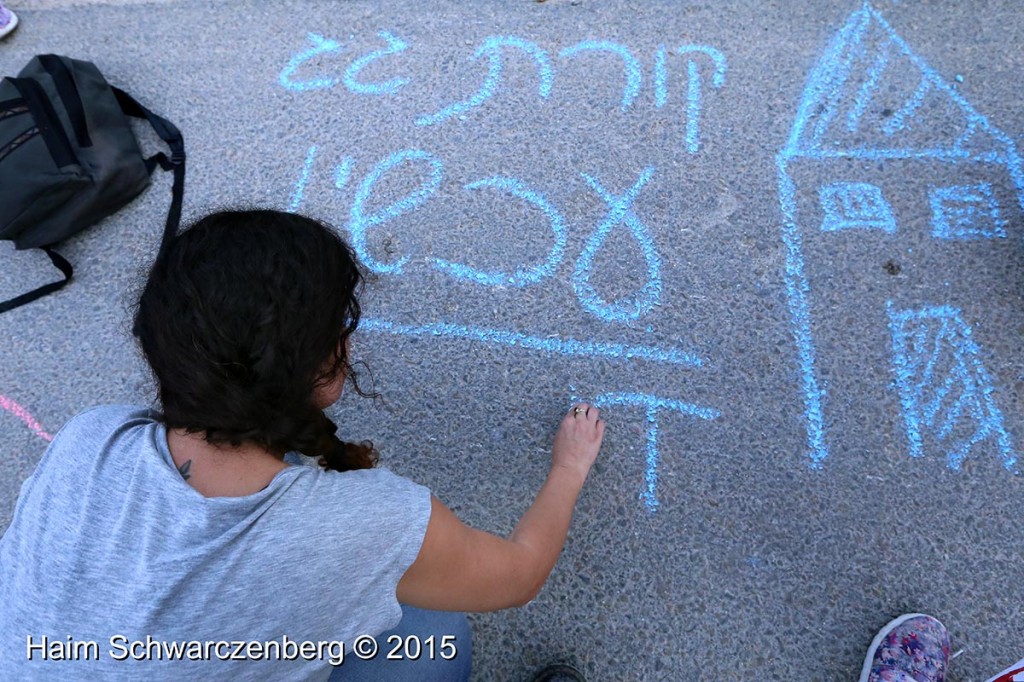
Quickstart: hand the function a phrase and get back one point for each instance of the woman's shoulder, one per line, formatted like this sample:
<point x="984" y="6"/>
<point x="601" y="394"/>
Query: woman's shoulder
<point x="91" y="441"/>
<point x="100" y="417"/>
<point x="99" y="423"/>
<point x="378" y="488"/>
<point x="377" y="478"/>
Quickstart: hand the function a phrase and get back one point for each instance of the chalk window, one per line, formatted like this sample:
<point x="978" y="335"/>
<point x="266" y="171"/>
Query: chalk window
<point x="855" y="206"/>
<point x="965" y="212"/>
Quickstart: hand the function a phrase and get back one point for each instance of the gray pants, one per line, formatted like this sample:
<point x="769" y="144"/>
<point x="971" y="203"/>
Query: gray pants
<point x="409" y="636"/>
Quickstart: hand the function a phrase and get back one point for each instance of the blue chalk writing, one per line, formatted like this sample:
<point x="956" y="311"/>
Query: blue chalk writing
<point x="359" y="222"/>
<point x="653" y="405"/>
<point x="321" y="45"/>
<point x="632" y="64"/>
<point x="966" y="212"/>
<point x="619" y="210"/>
<point x="521" y="277"/>
<point x="493" y="48"/>
<point x="855" y="205"/>
<point x="300" y="186"/>
<point x="395" y="45"/>
<point x="660" y="78"/>
<point x="343" y="172"/>
<point x="867" y="42"/>
<point x="718" y="80"/>
<point x="693" y="109"/>
<point x="555" y="346"/>
<point x="943" y="385"/>
<point x="693" y="92"/>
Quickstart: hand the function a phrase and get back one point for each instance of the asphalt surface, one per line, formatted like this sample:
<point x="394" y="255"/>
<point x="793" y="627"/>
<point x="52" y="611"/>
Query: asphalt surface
<point x="779" y="243"/>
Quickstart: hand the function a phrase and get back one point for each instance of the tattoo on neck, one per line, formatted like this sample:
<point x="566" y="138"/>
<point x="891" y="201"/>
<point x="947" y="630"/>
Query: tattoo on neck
<point x="183" y="469"/>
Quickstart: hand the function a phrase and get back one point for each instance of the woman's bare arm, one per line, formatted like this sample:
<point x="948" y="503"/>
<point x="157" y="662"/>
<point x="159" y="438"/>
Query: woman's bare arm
<point x="463" y="569"/>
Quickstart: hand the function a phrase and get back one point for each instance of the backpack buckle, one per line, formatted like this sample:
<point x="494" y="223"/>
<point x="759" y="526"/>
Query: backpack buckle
<point x="178" y="157"/>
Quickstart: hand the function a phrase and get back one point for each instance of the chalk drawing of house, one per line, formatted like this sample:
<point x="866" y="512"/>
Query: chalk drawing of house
<point x="874" y="120"/>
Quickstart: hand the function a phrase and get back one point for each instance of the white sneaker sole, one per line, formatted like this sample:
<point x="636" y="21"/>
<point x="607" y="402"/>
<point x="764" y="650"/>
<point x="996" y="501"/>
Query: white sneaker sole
<point x="11" y="26"/>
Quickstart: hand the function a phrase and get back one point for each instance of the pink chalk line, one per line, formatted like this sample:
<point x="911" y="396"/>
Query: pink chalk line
<point x="23" y="414"/>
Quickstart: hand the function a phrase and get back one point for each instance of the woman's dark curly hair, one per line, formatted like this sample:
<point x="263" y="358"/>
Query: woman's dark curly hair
<point x="239" y="316"/>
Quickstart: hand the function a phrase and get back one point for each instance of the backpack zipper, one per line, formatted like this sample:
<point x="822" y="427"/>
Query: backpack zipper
<point x="21" y="139"/>
<point x="15" y="111"/>
<point x="12" y="107"/>
<point x="46" y="119"/>
<point x="69" y="96"/>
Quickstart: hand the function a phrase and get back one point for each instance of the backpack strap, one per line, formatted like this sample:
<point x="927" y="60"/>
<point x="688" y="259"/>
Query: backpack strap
<point x="62" y="264"/>
<point x="172" y="136"/>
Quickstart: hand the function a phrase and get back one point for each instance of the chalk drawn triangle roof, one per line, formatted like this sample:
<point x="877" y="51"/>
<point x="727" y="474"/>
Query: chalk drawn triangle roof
<point x="871" y="96"/>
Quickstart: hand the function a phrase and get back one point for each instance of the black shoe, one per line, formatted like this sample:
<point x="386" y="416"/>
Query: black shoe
<point x="559" y="673"/>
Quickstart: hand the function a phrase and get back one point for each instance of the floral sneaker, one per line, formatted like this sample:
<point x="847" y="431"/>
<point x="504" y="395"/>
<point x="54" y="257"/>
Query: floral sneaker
<point x="8" y="21"/>
<point x="912" y="648"/>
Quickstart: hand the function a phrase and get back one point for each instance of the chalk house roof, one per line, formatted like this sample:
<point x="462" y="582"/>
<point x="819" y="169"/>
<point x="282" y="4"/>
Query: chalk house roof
<point x="871" y="96"/>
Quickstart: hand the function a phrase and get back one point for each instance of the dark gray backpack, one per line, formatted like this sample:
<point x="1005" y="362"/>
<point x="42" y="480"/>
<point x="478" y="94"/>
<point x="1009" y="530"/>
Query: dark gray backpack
<point x="69" y="158"/>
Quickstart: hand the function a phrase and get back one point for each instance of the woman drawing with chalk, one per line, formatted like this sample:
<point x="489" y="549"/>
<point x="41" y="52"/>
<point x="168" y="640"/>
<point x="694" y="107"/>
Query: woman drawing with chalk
<point x="232" y="535"/>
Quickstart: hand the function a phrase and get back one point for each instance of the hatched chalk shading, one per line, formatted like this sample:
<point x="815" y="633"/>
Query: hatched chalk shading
<point x="946" y="393"/>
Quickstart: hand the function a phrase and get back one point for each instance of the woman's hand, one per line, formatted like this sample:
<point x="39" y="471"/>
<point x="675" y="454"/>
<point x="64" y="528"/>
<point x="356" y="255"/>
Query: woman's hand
<point x="460" y="568"/>
<point x="578" y="440"/>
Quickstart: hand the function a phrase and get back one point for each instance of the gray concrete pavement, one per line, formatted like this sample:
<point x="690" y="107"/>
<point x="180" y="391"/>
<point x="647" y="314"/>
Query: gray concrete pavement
<point x="779" y="243"/>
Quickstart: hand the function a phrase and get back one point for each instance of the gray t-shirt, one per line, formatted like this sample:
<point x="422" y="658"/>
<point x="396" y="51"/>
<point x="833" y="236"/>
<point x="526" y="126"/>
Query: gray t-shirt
<point x="109" y="545"/>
